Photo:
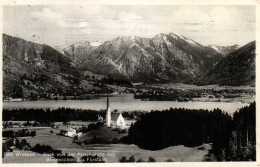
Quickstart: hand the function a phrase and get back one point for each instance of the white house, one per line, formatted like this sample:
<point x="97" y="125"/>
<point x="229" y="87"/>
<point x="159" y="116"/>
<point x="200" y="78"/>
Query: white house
<point x="70" y="132"/>
<point x="117" y="119"/>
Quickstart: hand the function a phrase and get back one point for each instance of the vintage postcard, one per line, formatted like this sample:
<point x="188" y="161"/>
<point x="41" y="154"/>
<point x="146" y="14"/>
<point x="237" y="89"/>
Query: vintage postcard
<point x="128" y="83"/>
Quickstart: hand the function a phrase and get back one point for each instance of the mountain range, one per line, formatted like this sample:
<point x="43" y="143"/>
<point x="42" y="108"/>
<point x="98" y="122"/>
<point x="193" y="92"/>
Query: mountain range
<point x="167" y="58"/>
<point x="163" y="58"/>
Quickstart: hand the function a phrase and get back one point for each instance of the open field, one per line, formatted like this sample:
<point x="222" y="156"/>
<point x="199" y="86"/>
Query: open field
<point x="109" y="152"/>
<point x="105" y="133"/>
<point x="55" y="141"/>
<point x="113" y="152"/>
<point x="191" y="86"/>
<point x="176" y="153"/>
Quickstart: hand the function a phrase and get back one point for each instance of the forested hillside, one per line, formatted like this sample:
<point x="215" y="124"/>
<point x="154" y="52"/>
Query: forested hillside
<point x="238" y="68"/>
<point x="233" y="138"/>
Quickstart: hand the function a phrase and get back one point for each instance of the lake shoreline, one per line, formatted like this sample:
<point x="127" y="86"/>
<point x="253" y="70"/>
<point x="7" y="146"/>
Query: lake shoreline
<point x="127" y="102"/>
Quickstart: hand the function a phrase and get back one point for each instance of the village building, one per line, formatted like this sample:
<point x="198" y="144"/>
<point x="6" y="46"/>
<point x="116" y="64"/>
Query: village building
<point x="114" y="118"/>
<point x="117" y="120"/>
<point x="70" y="132"/>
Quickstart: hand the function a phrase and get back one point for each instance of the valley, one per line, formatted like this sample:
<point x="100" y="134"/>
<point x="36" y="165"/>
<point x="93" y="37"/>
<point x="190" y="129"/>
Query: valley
<point x="123" y="65"/>
<point x="49" y="93"/>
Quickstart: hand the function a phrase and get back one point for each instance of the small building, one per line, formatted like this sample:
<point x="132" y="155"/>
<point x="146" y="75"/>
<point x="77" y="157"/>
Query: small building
<point x="70" y="132"/>
<point x="117" y="119"/>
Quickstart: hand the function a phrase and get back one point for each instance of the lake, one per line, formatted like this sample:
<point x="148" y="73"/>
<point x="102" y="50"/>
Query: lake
<point x="124" y="103"/>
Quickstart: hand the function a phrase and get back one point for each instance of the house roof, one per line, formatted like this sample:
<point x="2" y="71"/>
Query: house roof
<point x="65" y="128"/>
<point x="114" y="116"/>
<point x="12" y="147"/>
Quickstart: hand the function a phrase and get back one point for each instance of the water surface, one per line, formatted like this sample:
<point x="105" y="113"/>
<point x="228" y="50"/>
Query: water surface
<point x="124" y="103"/>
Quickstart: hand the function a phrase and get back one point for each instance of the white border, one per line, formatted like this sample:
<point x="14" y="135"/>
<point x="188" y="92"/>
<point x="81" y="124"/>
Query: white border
<point x="152" y="2"/>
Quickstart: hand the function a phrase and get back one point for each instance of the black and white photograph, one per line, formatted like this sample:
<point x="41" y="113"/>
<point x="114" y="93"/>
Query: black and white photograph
<point x="104" y="83"/>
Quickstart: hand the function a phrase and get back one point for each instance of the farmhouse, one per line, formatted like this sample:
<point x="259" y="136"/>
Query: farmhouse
<point x="70" y="132"/>
<point x="114" y="118"/>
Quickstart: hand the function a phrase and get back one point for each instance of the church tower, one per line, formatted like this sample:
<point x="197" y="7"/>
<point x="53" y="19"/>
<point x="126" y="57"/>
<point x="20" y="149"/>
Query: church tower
<point x="108" y="116"/>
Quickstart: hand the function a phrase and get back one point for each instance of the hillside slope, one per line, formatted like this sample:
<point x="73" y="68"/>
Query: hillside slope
<point x="27" y="64"/>
<point x="238" y="68"/>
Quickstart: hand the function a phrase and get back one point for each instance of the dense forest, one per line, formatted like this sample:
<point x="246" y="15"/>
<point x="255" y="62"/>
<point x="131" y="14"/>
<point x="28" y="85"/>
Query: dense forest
<point x="232" y="138"/>
<point x="47" y="117"/>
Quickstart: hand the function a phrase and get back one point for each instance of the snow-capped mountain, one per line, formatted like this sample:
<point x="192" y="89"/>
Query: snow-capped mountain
<point x="225" y="50"/>
<point x="77" y="52"/>
<point x="171" y="57"/>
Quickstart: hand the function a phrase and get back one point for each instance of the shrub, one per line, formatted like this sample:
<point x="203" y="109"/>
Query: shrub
<point x="115" y="141"/>
<point x="151" y="159"/>
<point x="131" y="159"/>
<point x="42" y="148"/>
<point x="122" y="159"/>
<point x="33" y="133"/>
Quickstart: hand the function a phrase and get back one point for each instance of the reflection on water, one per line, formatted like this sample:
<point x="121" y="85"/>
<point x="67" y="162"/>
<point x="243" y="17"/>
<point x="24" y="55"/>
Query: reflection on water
<point x="124" y="103"/>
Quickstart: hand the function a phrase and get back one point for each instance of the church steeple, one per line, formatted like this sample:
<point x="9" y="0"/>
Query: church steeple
<point x="108" y="102"/>
<point x="108" y="115"/>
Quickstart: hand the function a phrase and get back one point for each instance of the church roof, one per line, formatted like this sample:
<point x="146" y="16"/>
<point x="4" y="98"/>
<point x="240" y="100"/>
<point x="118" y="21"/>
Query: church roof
<point x="114" y="116"/>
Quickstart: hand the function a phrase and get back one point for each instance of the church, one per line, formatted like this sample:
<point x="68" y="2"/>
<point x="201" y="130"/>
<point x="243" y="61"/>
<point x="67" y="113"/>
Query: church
<point x="114" y="118"/>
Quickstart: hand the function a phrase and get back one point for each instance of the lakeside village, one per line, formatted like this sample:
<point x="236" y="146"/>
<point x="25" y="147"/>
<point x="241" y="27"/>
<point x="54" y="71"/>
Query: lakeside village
<point x="209" y="135"/>
<point x="112" y="125"/>
<point x="113" y="119"/>
<point x="217" y="94"/>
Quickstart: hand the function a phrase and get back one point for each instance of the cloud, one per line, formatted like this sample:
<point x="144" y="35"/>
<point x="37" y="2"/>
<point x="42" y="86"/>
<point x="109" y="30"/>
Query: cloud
<point x="129" y="16"/>
<point x="57" y="24"/>
<point x="49" y="15"/>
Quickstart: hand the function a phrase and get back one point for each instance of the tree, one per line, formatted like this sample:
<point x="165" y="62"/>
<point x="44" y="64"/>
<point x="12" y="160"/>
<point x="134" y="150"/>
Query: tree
<point x="18" y="144"/>
<point x="151" y="159"/>
<point x="75" y="138"/>
<point x="4" y="149"/>
<point x="122" y="159"/>
<point x="131" y="159"/>
<point x="33" y="133"/>
<point x="9" y="143"/>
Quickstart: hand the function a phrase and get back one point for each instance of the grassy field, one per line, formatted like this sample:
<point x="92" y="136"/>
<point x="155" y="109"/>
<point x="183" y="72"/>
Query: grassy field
<point x="109" y="152"/>
<point x="55" y="141"/>
<point x="105" y="133"/>
<point x="113" y="152"/>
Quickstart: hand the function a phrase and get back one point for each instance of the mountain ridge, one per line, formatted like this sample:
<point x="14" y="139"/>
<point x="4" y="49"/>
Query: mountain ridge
<point x="238" y="68"/>
<point x="164" y="57"/>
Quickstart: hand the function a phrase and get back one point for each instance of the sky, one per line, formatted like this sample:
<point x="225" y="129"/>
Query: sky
<point x="60" y="25"/>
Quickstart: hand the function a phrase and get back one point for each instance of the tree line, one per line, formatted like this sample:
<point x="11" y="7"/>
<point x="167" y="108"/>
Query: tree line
<point x="19" y="133"/>
<point x="47" y="117"/>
